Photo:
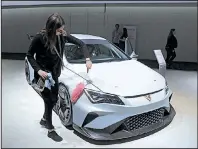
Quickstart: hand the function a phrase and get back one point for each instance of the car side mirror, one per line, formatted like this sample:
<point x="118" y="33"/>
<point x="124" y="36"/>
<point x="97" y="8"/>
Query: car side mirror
<point x="134" y="56"/>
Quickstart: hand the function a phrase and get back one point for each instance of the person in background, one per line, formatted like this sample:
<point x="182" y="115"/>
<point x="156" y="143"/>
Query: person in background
<point x="123" y="38"/>
<point x="46" y="45"/>
<point x="116" y="35"/>
<point x="170" y="47"/>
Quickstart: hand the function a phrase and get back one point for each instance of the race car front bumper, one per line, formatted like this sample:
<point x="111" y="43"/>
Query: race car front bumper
<point x="136" y="126"/>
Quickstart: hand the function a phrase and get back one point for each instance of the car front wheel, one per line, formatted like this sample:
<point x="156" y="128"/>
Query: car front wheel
<point x="63" y="106"/>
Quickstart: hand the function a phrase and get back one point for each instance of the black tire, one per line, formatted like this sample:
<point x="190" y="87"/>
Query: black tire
<point x="63" y="107"/>
<point x="27" y="72"/>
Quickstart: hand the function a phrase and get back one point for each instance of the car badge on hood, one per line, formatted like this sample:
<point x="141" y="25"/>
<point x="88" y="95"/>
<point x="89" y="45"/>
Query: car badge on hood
<point x="148" y="97"/>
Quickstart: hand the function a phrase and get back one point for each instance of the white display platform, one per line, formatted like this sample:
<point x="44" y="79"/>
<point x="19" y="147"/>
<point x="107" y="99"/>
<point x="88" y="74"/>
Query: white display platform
<point x="161" y="62"/>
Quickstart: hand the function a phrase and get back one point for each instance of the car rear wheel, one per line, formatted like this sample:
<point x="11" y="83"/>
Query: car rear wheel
<point x="63" y="106"/>
<point x="27" y="72"/>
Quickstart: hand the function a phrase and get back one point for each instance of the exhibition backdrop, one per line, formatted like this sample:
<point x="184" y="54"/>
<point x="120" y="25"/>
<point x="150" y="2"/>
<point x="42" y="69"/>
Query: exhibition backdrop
<point x="152" y="25"/>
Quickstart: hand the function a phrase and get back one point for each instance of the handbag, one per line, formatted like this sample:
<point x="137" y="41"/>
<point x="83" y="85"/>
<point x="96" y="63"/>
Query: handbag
<point x="39" y="85"/>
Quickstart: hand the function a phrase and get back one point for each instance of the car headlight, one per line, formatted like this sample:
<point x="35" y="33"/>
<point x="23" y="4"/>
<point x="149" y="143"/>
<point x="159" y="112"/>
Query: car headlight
<point x="98" y="97"/>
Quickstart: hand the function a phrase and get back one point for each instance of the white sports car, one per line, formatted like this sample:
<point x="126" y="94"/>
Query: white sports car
<point x="125" y="99"/>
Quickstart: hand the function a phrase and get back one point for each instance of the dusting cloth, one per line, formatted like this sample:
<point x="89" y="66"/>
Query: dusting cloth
<point x="49" y="82"/>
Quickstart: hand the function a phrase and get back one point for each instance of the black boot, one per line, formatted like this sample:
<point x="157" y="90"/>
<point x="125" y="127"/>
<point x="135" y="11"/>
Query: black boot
<point x="46" y="125"/>
<point x="43" y="123"/>
<point x="54" y="136"/>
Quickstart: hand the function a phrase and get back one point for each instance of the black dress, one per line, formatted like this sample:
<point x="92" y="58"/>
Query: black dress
<point x="122" y="43"/>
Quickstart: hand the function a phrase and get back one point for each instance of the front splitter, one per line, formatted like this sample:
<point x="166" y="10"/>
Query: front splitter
<point x="123" y="134"/>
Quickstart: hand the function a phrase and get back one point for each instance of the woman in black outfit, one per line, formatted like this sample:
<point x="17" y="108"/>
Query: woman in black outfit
<point x="122" y="39"/>
<point x="44" y="45"/>
<point x="170" y="47"/>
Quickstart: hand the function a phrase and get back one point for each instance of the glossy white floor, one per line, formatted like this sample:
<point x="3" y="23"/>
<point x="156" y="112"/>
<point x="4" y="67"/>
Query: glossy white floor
<point x="22" y="109"/>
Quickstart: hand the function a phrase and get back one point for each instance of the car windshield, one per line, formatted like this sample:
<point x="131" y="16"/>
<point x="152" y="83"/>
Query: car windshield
<point x="99" y="51"/>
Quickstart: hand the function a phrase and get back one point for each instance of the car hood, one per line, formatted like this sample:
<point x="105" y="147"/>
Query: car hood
<point x="125" y="78"/>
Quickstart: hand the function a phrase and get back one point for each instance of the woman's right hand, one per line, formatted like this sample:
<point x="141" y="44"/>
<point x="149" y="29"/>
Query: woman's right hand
<point x="88" y="64"/>
<point x="42" y="74"/>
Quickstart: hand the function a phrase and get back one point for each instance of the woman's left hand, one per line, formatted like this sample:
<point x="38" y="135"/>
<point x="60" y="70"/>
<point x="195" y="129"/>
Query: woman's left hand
<point x="64" y="33"/>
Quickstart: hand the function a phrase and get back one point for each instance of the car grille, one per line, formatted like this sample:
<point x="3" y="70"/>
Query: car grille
<point x="144" y="120"/>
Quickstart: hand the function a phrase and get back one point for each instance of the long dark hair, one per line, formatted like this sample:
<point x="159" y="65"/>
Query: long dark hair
<point x="171" y="32"/>
<point x="54" y="22"/>
<point x="125" y="33"/>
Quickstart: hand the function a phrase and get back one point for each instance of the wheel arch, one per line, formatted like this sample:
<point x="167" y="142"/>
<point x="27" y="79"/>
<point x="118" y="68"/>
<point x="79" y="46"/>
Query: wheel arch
<point x="31" y="71"/>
